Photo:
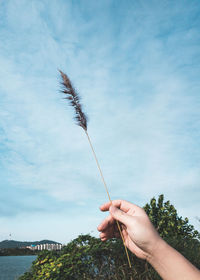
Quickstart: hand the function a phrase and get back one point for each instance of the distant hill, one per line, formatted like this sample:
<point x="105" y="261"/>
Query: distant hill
<point x="18" y="244"/>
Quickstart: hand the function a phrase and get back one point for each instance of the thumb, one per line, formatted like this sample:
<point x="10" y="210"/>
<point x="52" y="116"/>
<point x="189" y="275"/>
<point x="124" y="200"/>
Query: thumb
<point x="119" y="215"/>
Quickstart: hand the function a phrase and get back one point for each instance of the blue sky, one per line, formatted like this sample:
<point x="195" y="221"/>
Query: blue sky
<point x="136" y="65"/>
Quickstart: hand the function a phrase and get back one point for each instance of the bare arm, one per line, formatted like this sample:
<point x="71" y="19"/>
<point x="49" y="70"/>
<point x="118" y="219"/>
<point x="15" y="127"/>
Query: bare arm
<point x="170" y="264"/>
<point x="143" y="240"/>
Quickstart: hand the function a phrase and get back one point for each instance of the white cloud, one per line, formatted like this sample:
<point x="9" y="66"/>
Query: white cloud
<point x="137" y="85"/>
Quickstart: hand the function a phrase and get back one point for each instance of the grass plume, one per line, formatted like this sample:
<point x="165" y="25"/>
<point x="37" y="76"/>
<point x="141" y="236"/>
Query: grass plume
<point x="74" y="100"/>
<point x="81" y="120"/>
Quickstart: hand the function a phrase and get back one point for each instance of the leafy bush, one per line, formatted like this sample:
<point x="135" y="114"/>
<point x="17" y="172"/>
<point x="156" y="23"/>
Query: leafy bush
<point x="86" y="257"/>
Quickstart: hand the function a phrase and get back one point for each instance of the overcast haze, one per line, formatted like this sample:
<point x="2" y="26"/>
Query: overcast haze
<point x="136" y="65"/>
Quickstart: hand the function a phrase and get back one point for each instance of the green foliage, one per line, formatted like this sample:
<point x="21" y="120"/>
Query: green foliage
<point x="86" y="257"/>
<point x="16" y="252"/>
<point x="167" y="222"/>
<point x="174" y="229"/>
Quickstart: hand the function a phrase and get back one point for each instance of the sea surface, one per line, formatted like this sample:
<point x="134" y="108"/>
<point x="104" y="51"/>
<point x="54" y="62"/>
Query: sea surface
<point x="11" y="267"/>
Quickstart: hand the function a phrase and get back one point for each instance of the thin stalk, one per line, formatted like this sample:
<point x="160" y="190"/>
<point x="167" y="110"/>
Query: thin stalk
<point x="106" y="188"/>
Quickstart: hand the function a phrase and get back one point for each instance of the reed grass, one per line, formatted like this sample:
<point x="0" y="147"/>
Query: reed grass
<point x="81" y="120"/>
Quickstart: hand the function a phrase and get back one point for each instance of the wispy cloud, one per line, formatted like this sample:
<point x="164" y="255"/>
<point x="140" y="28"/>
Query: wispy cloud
<point x="136" y="66"/>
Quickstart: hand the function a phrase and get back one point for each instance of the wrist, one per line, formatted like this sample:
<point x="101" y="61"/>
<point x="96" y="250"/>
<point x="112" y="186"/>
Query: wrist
<point x="156" y="252"/>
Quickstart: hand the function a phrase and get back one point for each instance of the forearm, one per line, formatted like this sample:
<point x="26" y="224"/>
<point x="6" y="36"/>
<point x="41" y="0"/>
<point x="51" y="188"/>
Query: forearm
<point x="171" y="265"/>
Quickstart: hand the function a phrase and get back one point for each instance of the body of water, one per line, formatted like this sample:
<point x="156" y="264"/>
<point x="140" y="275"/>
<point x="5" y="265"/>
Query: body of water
<point x="11" y="267"/>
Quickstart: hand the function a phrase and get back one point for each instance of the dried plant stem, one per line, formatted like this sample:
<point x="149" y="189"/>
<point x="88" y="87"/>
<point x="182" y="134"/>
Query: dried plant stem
<point x="81" y="119"/>
<point x="106" y="188"/>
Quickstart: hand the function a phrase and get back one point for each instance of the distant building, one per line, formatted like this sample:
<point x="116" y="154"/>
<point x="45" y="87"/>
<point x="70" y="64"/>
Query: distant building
<point x="50" y="247"/>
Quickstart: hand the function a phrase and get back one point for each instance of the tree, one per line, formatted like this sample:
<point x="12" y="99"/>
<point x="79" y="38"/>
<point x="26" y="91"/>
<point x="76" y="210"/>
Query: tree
<point x="165" y="218"/>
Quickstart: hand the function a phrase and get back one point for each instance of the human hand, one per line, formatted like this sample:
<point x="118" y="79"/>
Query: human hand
<point x="139" y="234"/>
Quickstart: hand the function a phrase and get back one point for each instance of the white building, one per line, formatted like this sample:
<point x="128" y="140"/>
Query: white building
<point x="49" y="247"/>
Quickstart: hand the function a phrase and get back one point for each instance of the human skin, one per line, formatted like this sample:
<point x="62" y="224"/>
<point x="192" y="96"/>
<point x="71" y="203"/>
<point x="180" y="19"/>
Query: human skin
<point x="144" y="241"/>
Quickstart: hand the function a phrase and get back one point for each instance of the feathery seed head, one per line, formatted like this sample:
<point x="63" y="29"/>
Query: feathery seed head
<point x="74" y="100"/>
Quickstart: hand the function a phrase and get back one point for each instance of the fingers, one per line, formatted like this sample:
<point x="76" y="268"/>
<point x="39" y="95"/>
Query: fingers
<point x="108" y="229"/>
<point x="107" y="222"/>
<point x="121" y="204"/>
<point x="122" y="211"/>
<point x="105" y="207"/>
<point x="109" y="234"/>
<point x="103" y="236"/>
<point x="108" y="226"/>
<point x="120" y="215"/>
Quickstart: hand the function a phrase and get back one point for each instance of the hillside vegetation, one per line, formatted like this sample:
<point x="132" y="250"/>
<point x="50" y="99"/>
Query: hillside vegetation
<point x="19" y="244"/>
